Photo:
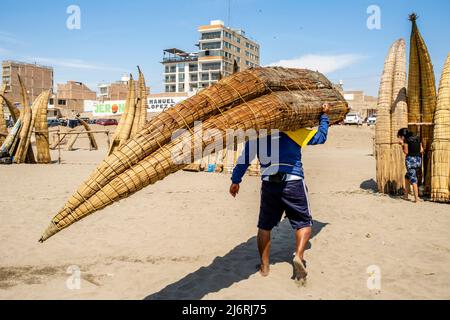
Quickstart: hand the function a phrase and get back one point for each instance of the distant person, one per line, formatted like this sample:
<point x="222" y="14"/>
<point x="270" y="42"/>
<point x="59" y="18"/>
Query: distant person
<point x="283" y="190"/>
<point x="413" y="150"/>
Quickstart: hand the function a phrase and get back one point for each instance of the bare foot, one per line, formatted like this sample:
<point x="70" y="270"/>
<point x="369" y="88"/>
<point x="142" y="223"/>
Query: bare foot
<point x="300" y="272"/>
<point x="417" y="200"/>
<point x="264" y="270"/>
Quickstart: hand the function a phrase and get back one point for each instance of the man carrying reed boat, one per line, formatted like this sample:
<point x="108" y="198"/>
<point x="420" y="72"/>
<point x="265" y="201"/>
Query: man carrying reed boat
<point x="283" y="188"/>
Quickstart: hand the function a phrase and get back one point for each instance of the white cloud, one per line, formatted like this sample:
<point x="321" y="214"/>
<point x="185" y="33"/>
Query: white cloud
<point x="9" y="38"/>
<point x="74" y="64"/>
<point x="321" y="63"/>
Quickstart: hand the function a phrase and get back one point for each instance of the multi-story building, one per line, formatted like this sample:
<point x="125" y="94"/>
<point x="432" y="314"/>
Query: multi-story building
<point x="117" y="90"/>
<point x="36" y="79"/>
<point x="220" y="49"/>
<point x="71" y="96"/>
<point x="359" y="102"/>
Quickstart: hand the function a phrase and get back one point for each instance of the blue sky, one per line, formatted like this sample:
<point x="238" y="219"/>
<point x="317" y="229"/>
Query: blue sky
<point x="115" y="36"/>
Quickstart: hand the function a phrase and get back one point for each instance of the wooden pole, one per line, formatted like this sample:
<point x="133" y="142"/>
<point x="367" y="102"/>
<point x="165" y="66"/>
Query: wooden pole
<point x="59" y="147"/>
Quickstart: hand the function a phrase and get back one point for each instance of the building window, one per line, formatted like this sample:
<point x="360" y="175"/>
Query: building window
<point x="193" y="67"/>
<point x="61" y="102"/>
<point x="170" y="79"/>
<point x="211" y="66"/>
<point x="215" y="76"/>
<point x="194" y="78"/>
<point x="211" y="35"/>
<point x="211" y="45"/>
<point x="181" y="77"/>
<point x="181" y="87"/>
<point x="181" y="67"/>
<point x="205" y="76"/>
<point x="171" y="88"/>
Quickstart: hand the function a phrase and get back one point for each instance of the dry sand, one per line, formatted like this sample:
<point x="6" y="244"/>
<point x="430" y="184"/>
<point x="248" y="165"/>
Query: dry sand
<point x="186" y="238"/>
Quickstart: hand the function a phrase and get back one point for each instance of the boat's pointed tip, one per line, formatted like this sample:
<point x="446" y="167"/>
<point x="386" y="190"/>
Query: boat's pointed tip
<point x="413" y="17"/>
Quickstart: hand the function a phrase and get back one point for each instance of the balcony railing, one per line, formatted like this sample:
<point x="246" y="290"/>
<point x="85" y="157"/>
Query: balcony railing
<point x="179" y="59"/>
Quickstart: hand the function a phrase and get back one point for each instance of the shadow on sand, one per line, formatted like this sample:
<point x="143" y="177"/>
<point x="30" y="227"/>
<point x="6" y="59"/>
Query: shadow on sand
<point x="237" y="265"/>
<point x="369" y="185"/>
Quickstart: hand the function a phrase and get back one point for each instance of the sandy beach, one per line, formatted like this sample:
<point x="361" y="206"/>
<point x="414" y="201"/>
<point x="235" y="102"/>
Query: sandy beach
<point x="187" y="238"/>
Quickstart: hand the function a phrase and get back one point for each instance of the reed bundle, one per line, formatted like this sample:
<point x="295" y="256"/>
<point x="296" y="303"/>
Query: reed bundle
<point x="24" y="152"/>
<point x="123" y="130"/>
<point x="3" y="127"/>
<point x="399" y="120"/>
<point x="140" y="117"/>
<point x="13" y="110"/>
<point x="286" y="110"/>
<point x="216" y="99"/>
<point x="41" y="131"/>
<point x="383" y="134"/>
<point x="440" y="178"/>
<point x="421" y="96"/>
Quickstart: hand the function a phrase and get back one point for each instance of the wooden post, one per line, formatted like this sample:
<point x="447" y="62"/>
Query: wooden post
<point x="107" y="138"/>
<point x="59" y="147"/>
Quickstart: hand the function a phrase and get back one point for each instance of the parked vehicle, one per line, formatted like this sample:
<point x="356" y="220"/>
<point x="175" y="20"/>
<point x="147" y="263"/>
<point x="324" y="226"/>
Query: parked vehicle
<point x="73" y="123"/>
<point x="107" y="122"/>
<point x="85" y="119"/>
<point x="92" y="121"/>
<point x="372" y="120"/>
<point x="63" y="122"/>
<point x="353" y="119"/>
<point x="53" y="122"/>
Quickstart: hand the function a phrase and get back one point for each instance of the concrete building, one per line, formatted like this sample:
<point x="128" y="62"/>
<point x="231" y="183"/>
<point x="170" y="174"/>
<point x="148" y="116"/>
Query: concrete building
<point x="71" y="96"/>
<point x="359" y="102"/>
<point x="117" y="90"/>
<point x="36" y="79"/>
<point x="220" y="48"/>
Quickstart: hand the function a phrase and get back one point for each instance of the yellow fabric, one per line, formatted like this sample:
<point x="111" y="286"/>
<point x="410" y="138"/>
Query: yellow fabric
<point x="302" y="136"/>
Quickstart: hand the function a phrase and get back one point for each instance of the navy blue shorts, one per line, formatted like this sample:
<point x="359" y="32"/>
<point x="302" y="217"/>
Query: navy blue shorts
<point x="413" y="164"/>
<point x="289" y="197"/>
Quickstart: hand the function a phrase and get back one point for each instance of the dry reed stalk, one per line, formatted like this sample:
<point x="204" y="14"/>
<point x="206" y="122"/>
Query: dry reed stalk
<point x="92" y="142"/>
<point x="41" y="131"/>
<point x="214" y="100"/>
<point x="383" y="125"/>
<point x="123" y="130"/>
<point x="440" y="180"/>
<point x="285" y="111"/>
<point x="423" y="90"/>
<point x="399" y="120"/>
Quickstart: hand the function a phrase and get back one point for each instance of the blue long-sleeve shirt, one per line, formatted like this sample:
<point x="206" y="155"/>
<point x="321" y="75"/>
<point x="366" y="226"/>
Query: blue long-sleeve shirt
<point x="277" y="153"/>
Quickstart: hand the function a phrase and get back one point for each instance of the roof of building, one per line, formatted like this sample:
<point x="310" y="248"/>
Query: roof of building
<point x="25" y="64"/>
<point x="176" y="51"/>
